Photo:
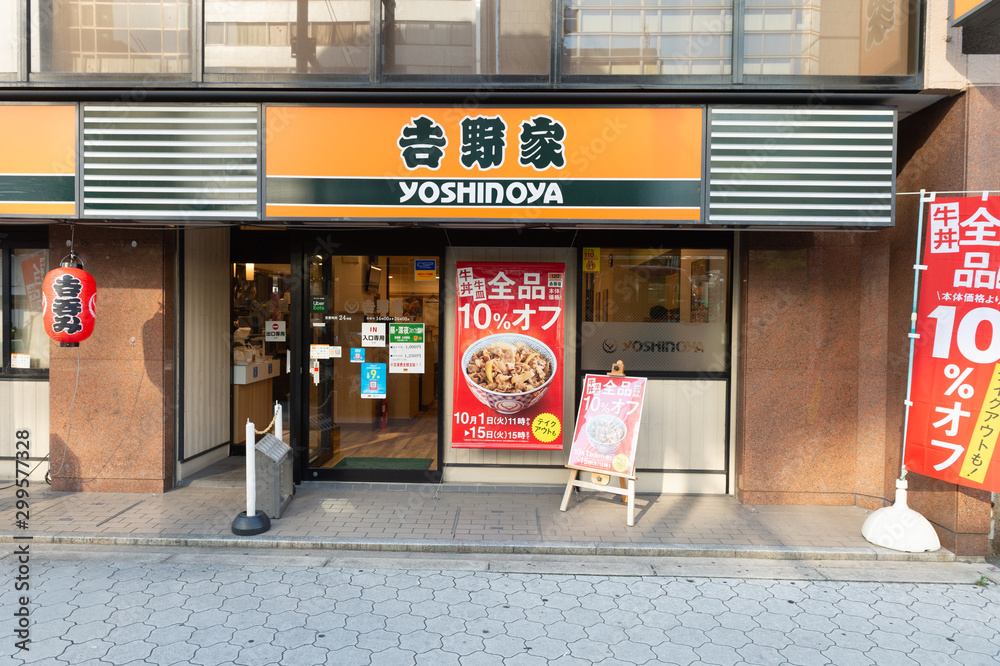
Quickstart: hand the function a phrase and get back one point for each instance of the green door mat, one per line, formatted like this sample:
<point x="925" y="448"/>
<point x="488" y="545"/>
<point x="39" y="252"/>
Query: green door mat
<point x="384" y="463"/>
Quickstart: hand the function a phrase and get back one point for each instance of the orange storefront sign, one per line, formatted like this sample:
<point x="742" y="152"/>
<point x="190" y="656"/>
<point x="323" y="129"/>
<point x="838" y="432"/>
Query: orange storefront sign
<point x="487" y="163"/>
<point x="38" y="160"/>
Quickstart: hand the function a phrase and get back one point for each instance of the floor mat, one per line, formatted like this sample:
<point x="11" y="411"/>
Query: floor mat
<point x="384" y="463"/>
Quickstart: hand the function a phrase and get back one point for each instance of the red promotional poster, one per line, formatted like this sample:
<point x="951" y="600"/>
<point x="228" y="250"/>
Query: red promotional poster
<point x="954" y="418"/>
<point x="508" y="356"/>
<point x="607" y="427"/>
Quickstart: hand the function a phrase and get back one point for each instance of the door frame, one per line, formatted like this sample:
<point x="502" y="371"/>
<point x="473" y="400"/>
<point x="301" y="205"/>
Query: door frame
<point x="334" y="242"/>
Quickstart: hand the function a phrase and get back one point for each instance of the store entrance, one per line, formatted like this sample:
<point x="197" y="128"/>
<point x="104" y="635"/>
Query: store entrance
<point x="373" y="329"/>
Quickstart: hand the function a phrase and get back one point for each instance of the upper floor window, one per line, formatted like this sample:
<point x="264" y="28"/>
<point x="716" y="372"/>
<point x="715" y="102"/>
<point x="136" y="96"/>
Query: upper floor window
<point x="116" y="37"/>
<point x="679" y="42"/>
<point x="261" y="37"/>
<point x="466" y="37"/>
<point x="828" y="38"/>
<point x="9" y="21"/>
<point x="651" y="37"/>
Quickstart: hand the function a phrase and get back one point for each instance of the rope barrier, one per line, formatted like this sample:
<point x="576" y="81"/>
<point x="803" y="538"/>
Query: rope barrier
<point x="268" y="427"/>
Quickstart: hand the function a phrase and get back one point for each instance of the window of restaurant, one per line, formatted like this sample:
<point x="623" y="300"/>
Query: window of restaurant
<point x="24" y="261"/>
<point x="665" y="313"/>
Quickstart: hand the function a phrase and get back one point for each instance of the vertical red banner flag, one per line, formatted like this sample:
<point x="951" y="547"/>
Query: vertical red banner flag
<point x="954" y="419"/>
<point x="508" y="356"/>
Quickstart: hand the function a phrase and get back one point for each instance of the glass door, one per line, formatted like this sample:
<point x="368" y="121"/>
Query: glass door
<point x="261" y="308"/>
<point x="372" y="370"/>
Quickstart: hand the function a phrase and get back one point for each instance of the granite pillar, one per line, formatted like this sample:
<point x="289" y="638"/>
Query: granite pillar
<point x="824" y="346"/>
<point x="112" y="398"/>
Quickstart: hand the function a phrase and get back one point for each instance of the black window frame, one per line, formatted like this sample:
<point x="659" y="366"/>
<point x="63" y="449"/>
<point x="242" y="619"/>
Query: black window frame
<point x="30" y="238"/>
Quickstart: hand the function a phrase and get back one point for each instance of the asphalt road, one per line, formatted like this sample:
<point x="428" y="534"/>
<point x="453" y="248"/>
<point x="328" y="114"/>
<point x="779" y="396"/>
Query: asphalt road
<point x="132" y="605"/>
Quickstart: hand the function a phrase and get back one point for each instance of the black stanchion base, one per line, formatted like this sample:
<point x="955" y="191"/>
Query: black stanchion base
<point x="244" y="525"/>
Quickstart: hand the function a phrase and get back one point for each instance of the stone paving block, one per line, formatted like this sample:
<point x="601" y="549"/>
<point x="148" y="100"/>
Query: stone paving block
<point x="44" y="650"/>
<point x="260" y="654"/>
<point x="248" y="619"/>
<point x="126" y="652"/>
<point x="165" y="655"/>
<point x="87" y="631"/>
<point x="170" y="635"/>
<point x="689" y="636"/>
<point x="525" y="659"/>
<point x="884" y="657"/>
<point x="718" y="654"/>
<point x="125" y="633"/>
<point x="377" y="640"/>
<point x="481" y="659"/>
<point x="305" y="655"/>
<point x="462" y="644"/>
<point x="503" y="645"/>
<point x="78" y="652"/>
<point x="403" y="623"/>
<point x="803" y="656"/>
<point x="672" y="653"/>
<point x="208" y="636"/>
<point x="589" y="649"/>
<point x="926" y="658"/>
<point x="978" y="645"/>
<point x="326" y="621"/>
<point x="444" y="625"/>
<point x="284" y="620"/>
<point x="760" y="655"/>
<point x="417" y="594"/>
<point x="255" y="635"/>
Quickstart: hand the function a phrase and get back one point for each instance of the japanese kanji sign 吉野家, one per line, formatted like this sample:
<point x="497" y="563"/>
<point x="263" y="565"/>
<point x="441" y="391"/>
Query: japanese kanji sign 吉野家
<point x="570" y="163"/>
<point x="954" y="420"/>
<point x="508" y="356"/>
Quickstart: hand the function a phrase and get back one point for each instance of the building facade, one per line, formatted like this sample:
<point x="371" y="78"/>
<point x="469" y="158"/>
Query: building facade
<point x="287" y="201"/>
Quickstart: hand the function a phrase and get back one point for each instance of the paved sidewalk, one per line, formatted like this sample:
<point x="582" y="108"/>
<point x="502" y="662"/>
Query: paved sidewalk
<point x="140" y="606"/>
<point x="457" y="519"/>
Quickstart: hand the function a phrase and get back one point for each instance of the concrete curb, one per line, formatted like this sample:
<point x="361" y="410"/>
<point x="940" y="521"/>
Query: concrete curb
<point x="873" y="553"/>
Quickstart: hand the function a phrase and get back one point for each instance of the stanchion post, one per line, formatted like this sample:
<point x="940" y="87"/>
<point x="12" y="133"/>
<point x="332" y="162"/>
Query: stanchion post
<point x="250" y="522"/>
<point x="278" y="432"/>
<point x="251" y="470"/>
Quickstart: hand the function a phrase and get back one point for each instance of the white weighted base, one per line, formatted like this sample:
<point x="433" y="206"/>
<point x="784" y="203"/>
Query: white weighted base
<point x="899" y="527"/>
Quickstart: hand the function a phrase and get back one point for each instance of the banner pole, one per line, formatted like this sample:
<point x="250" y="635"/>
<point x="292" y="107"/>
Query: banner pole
<point x="898" y="526"/>
<point x="917" y="267"/>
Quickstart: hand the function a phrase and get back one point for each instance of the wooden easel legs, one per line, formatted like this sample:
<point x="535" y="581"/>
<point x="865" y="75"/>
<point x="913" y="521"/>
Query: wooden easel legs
<point x="627" y="492"/>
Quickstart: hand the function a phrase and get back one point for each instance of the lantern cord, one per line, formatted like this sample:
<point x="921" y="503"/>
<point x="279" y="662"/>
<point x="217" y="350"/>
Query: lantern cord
<point x="69" y="416"/>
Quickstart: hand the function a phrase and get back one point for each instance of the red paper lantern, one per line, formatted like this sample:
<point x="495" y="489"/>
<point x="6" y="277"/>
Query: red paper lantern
<point x="69" y="300"/>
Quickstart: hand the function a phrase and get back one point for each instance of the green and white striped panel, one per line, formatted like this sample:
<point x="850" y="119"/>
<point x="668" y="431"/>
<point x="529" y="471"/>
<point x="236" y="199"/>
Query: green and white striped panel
<point x="804" y="167"/>
<point x="170" y="162"/>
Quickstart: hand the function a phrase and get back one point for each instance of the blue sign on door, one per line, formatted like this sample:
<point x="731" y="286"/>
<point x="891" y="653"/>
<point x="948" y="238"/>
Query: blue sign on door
<point x="357" y="354"/>
<point x="373" y="380"/>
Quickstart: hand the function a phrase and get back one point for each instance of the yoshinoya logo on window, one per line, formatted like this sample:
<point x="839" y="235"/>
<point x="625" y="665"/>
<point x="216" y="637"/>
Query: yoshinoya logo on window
<point x="438" y="162"/>
<point x="611" y="346"/>
<point x="653" y="346"/>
